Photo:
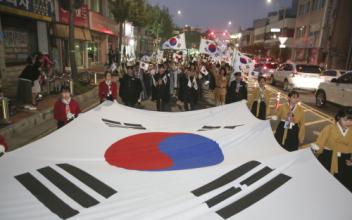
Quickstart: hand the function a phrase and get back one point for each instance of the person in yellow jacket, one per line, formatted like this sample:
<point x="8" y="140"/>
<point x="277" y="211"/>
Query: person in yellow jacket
<point x="291" y="130"/>
<point x="334" y="147"/>
<point x="259" y="102"/>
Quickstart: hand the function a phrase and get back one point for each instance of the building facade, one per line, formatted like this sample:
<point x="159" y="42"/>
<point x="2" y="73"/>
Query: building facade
<point x="280" y="24"/>
<point x="95" y="33"/>
<point x="25" y="27"/>
<point x="309" y="31"/>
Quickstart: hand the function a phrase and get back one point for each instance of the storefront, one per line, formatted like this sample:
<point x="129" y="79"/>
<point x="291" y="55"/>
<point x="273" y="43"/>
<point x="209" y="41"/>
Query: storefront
<point x="24" y="28"/>
<point x="104" y="37"/>
<point x="82" y="37"/>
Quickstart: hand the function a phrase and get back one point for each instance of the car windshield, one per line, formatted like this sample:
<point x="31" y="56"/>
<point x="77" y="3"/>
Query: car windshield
<point x="308" y="69"/>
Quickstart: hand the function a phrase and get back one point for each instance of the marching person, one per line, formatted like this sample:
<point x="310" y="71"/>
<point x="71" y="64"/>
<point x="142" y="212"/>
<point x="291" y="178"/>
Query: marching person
<point x="107" y="89"/>
<point x="189" y="90"/>
<point x="161" y="89"/>
<point x="130" y="88"/>
<point x="66" y="109"/>
<point x="291" y="130"/>
<point x="259" y="101"/>
<point x="334" y="147"/>
<point x="220" y="86"/>
<point x="237" y="90"/>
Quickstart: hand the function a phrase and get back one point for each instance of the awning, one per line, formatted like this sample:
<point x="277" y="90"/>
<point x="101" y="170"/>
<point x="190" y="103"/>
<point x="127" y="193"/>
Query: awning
<point x="62" y="31"/>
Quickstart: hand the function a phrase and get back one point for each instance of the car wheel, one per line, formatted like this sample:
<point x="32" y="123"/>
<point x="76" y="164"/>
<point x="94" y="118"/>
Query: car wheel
<point x="320" y="99"/>
<point x="286" y="86"/>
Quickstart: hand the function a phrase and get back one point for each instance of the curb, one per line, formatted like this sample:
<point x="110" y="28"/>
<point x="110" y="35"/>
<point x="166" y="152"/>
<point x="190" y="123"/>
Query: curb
<point x="22" y="128"/>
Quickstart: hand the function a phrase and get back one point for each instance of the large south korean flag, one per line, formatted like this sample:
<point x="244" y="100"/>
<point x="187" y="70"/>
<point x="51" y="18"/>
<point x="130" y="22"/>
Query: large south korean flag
<point x="175" y="43"/>
<point x="115" y="162"/>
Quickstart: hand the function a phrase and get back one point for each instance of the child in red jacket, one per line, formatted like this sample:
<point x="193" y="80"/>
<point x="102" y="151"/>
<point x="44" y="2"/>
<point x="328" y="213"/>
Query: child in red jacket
<point x="66" y="109"/>
<point x="107" y="89"/>
<point x="3" y="146"/>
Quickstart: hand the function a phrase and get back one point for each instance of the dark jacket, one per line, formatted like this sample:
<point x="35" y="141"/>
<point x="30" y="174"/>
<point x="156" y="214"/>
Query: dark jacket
<point x="186" y="93"/>
<point x="232" y="96"/>
<point x="130" y="89"/>
<point x="31" y="72"/>
<point x="161" y="91"/>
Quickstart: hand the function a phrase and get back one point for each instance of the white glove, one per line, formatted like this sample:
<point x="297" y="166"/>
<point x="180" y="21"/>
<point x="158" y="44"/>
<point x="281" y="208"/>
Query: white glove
<point x="314" y="147"/>
<point x="70" y="116"/>
<point x="274" y="118"/>
<point x="2" y="150"/>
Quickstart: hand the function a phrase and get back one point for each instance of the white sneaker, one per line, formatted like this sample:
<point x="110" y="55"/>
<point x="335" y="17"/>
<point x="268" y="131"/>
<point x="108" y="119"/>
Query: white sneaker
<point x="32" y="108"/>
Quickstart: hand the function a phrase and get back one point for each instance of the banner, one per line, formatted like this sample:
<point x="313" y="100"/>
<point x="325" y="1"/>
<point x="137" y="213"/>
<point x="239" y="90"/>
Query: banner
<point x="116" y="162"/>
<point x="176" y="43"/>
<point x="37" y="9"/>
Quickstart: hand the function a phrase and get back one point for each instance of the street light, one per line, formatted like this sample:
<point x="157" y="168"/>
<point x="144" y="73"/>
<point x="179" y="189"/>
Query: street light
<point x="179" y="12"/>
<point x="230" y="23"/>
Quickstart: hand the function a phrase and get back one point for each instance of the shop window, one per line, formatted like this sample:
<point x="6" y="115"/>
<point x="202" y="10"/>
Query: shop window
<point x="93" y="52"/>
<point x="79" y="51"/>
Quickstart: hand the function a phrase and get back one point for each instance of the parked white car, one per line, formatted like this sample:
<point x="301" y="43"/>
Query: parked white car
<point x="338" y="91"/>
<point x="298" y="76"/>
<point x="328" y="75"/>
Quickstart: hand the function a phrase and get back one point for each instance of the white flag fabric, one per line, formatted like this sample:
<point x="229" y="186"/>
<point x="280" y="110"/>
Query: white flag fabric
<point x="116" y="162"/>
<point x="176" y="43"/>
<point x="144" y="66"/>
<point x="209" y="47"/>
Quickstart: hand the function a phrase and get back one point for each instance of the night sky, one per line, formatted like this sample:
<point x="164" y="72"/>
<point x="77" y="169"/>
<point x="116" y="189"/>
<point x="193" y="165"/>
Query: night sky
<point x="215" y="14"/>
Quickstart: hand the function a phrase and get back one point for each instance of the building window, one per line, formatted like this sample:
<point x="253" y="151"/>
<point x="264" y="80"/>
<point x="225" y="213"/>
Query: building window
<point x="307" y="8"/>
<point x="79" y="51"/>
<point x="300" y="32"/>
<point x="318" y="4"/>
<point x="315" y="36"/>
<point x="301" y="10"/>
<point x="96" y="5"/>
<point x="93" y="52"/>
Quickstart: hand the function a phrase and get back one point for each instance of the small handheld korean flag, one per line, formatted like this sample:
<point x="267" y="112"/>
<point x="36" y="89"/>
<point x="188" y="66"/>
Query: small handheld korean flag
<point x="144" y="66"/>
<point x="175" y="43"/>
<point x="209" y="47"/>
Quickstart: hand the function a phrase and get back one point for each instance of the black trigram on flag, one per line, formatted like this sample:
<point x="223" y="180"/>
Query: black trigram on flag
<point x="210" y="128"/>
<point x="116" y="124"/>
<point x="249" y="199"/>
<point x="52" y="201"/>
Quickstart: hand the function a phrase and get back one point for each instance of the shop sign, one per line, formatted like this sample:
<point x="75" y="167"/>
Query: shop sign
<point x="81" y="18"/>
<point x="102" y="24"/>
<point x="37" y="9"/>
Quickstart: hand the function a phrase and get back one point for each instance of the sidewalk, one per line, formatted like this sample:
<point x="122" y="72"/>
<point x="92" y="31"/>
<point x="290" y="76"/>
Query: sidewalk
<point x="27" y="126"/>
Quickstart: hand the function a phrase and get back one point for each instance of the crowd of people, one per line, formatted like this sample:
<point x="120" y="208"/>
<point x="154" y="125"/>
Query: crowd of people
<point x="187" y="83"/>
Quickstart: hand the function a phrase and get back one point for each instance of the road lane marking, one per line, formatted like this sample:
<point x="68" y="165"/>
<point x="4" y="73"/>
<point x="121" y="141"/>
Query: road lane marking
<point x="316" y="122"/>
